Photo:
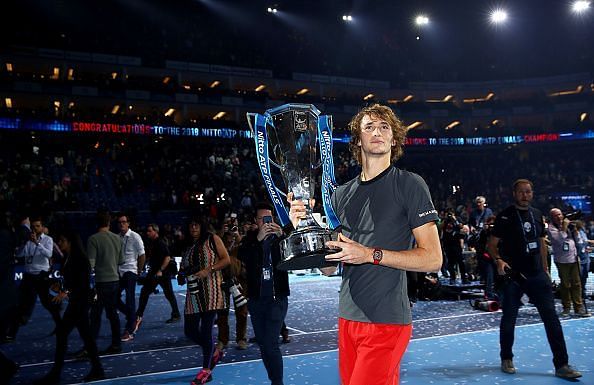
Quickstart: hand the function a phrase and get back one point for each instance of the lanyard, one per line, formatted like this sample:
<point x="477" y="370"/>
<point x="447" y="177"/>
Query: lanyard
<point x="532" y="222"/>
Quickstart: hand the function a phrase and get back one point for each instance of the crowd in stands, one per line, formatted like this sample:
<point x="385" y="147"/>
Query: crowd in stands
<point x="59" y="172"/>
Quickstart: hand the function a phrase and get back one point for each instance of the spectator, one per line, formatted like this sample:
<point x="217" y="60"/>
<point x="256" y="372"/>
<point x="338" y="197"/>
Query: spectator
<point x="159" y="274"/>
<point x="202" y="264"/>
<point x="76" y="272"/>
<point x="104" y="249"/>
<point x="134" y="258"/>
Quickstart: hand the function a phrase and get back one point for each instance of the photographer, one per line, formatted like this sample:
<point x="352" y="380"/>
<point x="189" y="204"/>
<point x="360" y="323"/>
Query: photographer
<point x="583" y="245"/>
<point x="37" y="253"/>
<point x="268" y="288"/>
<point x="562" y="234"/>
<point x="518" y="242"/>
<point x="485" y="261"/>
<point x="234" y="276"/>
<point x="453" y="243"/>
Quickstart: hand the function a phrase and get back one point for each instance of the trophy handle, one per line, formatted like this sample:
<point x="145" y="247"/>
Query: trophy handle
<point x="257" y="123"/>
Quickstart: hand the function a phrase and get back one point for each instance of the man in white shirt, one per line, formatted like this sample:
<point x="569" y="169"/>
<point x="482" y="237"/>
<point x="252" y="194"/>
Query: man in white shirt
<point x="37" y="254"/>
<point x="134" y="258"/>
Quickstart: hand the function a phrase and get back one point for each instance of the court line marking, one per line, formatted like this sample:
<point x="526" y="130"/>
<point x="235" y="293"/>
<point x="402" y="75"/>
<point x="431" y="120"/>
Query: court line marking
<point x="301" y="333"/>
<point x="312" y="353"/>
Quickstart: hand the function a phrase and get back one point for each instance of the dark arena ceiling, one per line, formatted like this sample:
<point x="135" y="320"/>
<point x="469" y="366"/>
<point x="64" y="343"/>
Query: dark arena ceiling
<point x="380" y="41"/>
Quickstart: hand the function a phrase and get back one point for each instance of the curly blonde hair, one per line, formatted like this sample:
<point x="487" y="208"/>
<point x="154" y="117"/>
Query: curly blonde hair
<point x="378" y="111"/>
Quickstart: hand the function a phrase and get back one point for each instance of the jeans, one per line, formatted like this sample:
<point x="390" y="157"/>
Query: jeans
<point x="267" y="318"/>
<point x="107" y="297"/>
<point x="128" y="284"/>
<point x="584" y="270"/>
<point x="147" y="289"/>
<point x="487" y="269"/>
<point x="539" y="289"/>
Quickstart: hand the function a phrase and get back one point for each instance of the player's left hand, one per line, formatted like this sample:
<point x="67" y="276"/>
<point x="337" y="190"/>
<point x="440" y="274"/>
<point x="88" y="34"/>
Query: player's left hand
<point x="350" y="251"/>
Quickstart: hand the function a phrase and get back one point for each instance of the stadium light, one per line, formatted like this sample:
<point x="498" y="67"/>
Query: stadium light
<point x="583" y="116"/>
<point x="414" y="125"/>
<point x="421" y="20"/>
<point x="219" y="115"/>
<point x="368" y="96"/>
<point x="498" y="16"/>
<point x="272" y="10"/>
<point x="8" y="67"/>
<point x="347" y="18"/>
<point x="169" y="112"/>
<point x="452" y="125"/>
<point x="580" y="6"/>
<point x="8" y="102"/>
<point x="302" y="91"/>
<point x="261" y="87"/>
<point x="115" y="109"/>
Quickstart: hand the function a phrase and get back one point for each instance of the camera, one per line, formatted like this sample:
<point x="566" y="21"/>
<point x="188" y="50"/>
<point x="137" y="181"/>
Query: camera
<point x="574" y="215"/>
<point x="267" y="219"/>
<point x="238" y="298"/>
<point x="193" y="284"/>
<point x="512" y="275"/>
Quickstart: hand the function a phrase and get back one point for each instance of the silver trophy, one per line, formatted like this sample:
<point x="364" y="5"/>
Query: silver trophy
<point x="300" y="141"/>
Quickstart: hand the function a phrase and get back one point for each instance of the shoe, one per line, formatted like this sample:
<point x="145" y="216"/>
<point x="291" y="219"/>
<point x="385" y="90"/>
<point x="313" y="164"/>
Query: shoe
<point x="127" y="337"/>
<point x="173" y="319"/>
<point x="7" y="339"/>
<point x="81" y="355"/>
<point x="202" y="377"/>
<point x="242" y="345"/>
<point x="52" y="378"/>
<point x="137" y="324"/>
<point x="583" y="313"/>
<point x="564" y="313"/>
<point x="95" y="375"/>
<point x="567" y="371"/>
<point x="111" y="350"/>
<point x="286" y="338"/>
<point x="221" y="346"/>
<point x="218" y="356"/>
<point x="507" y="366"/>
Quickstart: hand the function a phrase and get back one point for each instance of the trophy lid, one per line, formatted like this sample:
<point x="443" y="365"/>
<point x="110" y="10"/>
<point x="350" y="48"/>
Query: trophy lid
<point x="292" y="107"/>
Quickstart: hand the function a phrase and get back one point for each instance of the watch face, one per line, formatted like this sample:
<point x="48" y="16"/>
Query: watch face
<point x="377" y="255"/>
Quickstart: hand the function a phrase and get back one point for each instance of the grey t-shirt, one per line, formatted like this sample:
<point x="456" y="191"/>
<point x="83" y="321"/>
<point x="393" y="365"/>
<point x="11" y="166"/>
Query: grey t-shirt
<point x="382" y="213"/>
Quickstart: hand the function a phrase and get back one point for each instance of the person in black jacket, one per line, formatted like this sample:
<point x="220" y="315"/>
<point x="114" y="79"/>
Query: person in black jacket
<point x="267" y="288"/>
<point x="76" y="272"/>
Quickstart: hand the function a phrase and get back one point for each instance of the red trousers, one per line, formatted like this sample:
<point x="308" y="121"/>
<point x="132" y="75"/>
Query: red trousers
<point x="370" y="353"/>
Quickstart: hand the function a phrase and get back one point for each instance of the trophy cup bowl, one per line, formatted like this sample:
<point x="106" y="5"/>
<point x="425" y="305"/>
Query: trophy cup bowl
<point x="292" y="131"/>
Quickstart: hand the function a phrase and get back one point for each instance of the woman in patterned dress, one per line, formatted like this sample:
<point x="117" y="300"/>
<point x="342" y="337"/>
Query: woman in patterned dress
<point x="202" y="263"/>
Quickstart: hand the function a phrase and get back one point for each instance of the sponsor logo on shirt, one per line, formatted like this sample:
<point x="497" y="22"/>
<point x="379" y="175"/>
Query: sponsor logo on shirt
<point x="425" y="213"/>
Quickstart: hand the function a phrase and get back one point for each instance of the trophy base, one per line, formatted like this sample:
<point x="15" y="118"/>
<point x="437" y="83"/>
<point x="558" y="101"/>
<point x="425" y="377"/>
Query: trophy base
<point x="306" y="249"/>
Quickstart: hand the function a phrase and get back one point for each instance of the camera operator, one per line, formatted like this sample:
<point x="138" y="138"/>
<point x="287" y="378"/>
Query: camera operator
<point x="518" y="242"/>
<point x="453" y="244"/>
<point x="562" y="234"/>
<point x="37" y="253"/>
